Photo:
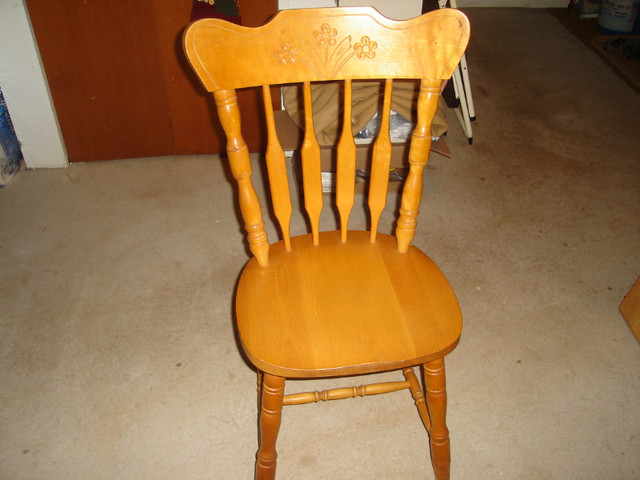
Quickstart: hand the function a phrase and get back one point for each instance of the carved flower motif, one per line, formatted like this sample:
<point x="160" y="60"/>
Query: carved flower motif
<point x="286" y="54"/>
<point x="326" y="36"/>
<point x="366" y="47"/>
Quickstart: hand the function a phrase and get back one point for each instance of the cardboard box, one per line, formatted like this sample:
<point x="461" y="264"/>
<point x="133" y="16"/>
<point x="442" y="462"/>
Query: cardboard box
<point x="328" y="159"/>
<point x="291" y="138"/>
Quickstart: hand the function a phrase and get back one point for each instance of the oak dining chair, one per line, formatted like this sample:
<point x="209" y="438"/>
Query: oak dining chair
<point x="295" y="310"/>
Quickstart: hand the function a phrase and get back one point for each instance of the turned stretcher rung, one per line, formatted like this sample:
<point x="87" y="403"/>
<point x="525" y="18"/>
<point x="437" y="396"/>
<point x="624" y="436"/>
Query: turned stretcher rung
<point x="345" y="392"/>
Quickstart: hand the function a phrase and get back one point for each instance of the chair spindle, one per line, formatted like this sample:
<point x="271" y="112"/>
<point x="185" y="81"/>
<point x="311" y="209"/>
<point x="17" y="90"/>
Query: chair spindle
<point x="380" y="162"/>
<point x="240" y="163"/>
<point x="418" y="157"/>
<point x="345" y="392"/>
<point x="311" y="170"/>
<point x="277" y="170"/>
<point x="346" y="166"/>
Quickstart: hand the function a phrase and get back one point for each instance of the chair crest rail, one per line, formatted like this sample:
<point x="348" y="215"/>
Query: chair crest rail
<point x="326" y="44"/>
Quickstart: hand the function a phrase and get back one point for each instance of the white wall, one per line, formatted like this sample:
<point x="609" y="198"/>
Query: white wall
<point x="514" y="3"/>
<point x="397" y="8"/>
<point x="26" y="90"/>
<point x="411" y="5"/>
<point x="289" y="4"/>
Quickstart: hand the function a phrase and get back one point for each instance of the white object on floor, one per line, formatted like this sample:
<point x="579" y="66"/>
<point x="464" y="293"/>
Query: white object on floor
<point x="462" y="87"/>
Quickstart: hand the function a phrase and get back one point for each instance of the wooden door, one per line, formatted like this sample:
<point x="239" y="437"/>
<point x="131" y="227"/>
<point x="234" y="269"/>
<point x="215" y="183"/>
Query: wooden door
<point x="120" y="83"/>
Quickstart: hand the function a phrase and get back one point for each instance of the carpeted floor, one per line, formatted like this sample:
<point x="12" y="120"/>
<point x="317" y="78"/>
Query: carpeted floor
<point x="118" y="358"/>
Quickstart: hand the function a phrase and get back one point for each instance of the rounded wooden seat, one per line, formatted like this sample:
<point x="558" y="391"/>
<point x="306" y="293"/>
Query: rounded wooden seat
<point x="345" y="308"/>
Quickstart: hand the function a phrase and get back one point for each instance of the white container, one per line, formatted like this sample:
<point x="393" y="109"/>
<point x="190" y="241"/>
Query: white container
<point x="618" y="16"/>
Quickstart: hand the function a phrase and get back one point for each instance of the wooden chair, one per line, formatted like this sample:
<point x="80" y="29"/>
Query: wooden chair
<point x="347" y="302"/>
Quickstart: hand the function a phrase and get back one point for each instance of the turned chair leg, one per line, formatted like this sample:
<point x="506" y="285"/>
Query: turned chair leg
<point x="437" y="404"/>
<point x="418" y="396"/>
<point x="270" y="415"/>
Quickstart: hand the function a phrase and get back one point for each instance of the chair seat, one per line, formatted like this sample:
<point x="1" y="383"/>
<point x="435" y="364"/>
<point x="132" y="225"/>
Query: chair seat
<point x="345" y="308"/>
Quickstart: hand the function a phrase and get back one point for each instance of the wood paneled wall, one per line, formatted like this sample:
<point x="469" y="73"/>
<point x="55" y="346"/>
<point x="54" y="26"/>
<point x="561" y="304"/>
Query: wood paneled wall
<point x="120" y="82"/>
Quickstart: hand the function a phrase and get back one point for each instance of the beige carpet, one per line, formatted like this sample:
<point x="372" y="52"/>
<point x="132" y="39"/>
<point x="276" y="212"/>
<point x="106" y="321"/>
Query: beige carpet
<point x="118" y="354"/>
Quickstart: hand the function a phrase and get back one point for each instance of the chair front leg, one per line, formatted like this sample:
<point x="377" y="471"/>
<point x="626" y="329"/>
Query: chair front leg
<point x="270" y="415"/>
<point x="437" y="404"/>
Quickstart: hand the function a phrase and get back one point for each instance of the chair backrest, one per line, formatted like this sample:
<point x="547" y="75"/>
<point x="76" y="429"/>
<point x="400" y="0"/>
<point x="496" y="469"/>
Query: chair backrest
<point x="318" y="45"/>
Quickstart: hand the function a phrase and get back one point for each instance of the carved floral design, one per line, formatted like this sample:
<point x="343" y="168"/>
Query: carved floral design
<point x="327" y="56"/>
<point x="365" y="49"/>
<point x="326" y="36"/>
<point x="286" y="54"/>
